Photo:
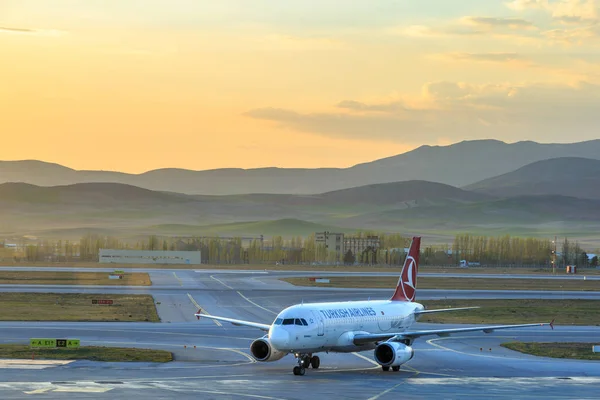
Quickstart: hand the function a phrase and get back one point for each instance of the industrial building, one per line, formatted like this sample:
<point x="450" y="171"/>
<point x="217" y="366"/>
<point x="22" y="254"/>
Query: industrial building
<point x="110" y="256"/>
<point x="333" y="241"/>
<point x="340" y="244"/>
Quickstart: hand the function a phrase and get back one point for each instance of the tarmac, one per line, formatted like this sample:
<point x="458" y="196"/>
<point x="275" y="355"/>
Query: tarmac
<point x="212" y="358"/>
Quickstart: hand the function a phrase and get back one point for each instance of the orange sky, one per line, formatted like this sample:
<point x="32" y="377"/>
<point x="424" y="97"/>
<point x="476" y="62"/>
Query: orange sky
<point x="116" y="86"/>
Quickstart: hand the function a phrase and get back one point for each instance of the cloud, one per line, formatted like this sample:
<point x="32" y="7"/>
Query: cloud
<point x="521" y="5"/>
<point x="582" y="10"/>
<point x="457" y="109"/>
<point x="485" y="27"/>
<point x="579" y="35"/>
<point x="494" y="22"/>
<point x="565" y="11"/>
<point x="358" y="106"/>
<point x="31" y="32"/>
<point x="482" y="57"/>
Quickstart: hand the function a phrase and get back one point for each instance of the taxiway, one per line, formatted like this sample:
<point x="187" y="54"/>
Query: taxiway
<point x="467" y="365"/>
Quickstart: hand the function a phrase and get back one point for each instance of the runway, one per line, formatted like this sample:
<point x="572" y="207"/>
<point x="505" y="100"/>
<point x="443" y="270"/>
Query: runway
<point x="467" y="365"/>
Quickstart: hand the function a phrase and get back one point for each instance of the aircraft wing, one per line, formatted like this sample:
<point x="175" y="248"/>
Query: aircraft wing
<point x="237" y="322"/>
<point x="379" y="337"/>
<point x="444" y="310"/>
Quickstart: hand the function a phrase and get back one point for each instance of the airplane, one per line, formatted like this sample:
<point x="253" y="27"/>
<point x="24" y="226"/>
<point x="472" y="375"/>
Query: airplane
<point x="353" y="326"/>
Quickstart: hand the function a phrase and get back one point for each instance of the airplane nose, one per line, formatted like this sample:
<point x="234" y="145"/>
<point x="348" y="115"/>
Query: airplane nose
<point x="280" y="338"/>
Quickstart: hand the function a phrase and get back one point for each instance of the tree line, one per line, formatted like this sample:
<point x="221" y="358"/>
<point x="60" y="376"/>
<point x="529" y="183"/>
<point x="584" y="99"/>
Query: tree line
<point x="503" y="250"/>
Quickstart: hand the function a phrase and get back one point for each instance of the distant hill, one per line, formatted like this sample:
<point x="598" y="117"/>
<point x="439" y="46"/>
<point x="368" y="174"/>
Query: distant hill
<point x="439" y="210"/>
<point x="567" y="212"/>
<point x="398" y="192"/>
<point x="102" y="195"/>
<point x="85" y="194"/>
<point x="115" y="206"/>
<point x="458" y="164"/>
<point x="567" y="176"/>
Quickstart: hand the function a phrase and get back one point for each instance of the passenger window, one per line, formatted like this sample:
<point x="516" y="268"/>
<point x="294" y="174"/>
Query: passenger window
<point x="288" y="321"/>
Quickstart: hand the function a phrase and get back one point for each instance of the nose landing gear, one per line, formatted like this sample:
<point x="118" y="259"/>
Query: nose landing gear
<point x="305" y="361"/>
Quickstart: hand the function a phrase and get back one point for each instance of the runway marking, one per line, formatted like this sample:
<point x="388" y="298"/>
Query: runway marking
<point x="366" y="359"/>
<point x="537" y="359"/>
<point x="38" y="391"/>
<point x="32" y="364"/>
<point x="176" y="277"/>
<point x="83" y="389"/>
<point x="416" y="371"/>
<point x="221" y="282"/>
<point x="200" y="308"/>
<point x="257" y="305"/>
<point x="385" y="392"/>
<point x="71" y="389"/>
<point x="239" y="352"/>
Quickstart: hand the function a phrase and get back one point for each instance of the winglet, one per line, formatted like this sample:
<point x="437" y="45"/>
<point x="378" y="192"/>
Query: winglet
<point x="552" y="324"/>
<point x="198" y="313"/>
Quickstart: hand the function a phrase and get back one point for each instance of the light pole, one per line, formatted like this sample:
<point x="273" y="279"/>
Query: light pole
<point x="554" y="256"/>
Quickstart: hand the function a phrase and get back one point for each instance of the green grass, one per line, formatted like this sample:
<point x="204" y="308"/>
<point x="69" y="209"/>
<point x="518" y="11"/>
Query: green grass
<point x="515" y="311"/>
<point x="92" y="353"/>
<point x="76" y="307"/>
<point x="71" y="278"/>
<point x="424" y="282"/>
<point x="574" y="350"/>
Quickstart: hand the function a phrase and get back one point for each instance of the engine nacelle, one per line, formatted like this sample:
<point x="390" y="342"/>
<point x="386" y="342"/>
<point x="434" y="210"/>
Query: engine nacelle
<point x="262" y="350"/>
<point x="393" y="354"/>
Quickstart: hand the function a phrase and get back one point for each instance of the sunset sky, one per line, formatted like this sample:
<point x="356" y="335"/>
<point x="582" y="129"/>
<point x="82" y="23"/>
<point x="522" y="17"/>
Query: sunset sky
<point x="134" y="85"/>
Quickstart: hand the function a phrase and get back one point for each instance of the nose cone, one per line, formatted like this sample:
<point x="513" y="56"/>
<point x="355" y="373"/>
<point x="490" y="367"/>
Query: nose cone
<point x="280" y="339"/>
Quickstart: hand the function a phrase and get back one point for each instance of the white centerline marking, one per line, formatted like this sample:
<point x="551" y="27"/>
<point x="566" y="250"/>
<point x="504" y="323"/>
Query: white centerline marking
<point x="221" y="282"/>
<point x="200" y="308"/>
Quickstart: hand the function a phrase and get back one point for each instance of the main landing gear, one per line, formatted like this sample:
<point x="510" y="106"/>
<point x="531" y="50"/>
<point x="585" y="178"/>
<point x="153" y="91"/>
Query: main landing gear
<point x="305" y="361"/>
<point x="395" y="368"/>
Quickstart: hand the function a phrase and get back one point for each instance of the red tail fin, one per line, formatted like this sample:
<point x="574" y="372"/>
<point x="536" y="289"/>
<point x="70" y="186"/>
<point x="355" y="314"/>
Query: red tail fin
<point x="407" y="284"/>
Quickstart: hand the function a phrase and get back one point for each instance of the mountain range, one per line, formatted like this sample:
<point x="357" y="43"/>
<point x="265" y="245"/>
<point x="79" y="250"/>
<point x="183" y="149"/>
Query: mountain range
<point x="460" y="164"/>
<point x="555" y="196"/>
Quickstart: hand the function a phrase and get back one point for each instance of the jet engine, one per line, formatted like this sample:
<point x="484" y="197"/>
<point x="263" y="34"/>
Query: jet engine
<point x="393" y="354"/>
<point x="262" y="350"/>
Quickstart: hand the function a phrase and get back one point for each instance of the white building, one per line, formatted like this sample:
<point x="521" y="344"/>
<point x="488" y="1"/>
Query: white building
<point x="110" y="256"/>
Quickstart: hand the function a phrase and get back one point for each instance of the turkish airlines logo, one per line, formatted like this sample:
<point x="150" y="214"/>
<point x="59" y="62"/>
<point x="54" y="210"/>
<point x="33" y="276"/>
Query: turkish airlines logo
<point x="409" y="277"/>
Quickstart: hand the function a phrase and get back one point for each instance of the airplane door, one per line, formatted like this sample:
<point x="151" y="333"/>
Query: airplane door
<point x="320" y="324"/>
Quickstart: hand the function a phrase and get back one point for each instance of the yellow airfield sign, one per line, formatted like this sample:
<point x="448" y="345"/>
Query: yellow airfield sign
<point x="54" y="343"/>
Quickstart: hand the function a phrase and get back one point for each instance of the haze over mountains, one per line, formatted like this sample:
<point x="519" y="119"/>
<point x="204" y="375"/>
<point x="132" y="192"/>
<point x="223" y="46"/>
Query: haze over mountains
<point x="567" y="176"/>
<point x="559" y="196"/>
<point x="459" y="164"/>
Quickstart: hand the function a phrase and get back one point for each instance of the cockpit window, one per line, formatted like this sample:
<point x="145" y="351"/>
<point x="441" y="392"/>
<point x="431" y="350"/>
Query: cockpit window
<point x="291" y="321"/>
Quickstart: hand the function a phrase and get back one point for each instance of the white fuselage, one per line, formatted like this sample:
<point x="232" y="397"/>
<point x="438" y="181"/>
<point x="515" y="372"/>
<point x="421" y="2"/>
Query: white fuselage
<point x="317" y="327"/>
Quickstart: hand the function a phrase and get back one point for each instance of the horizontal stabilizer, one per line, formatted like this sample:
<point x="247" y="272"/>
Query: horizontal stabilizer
<point x="444" y="310"/>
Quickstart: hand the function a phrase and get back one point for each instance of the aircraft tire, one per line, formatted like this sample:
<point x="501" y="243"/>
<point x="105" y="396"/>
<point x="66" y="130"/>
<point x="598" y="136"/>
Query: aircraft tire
<point x="315" y="362"/>
<point x="386" y="369"/>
